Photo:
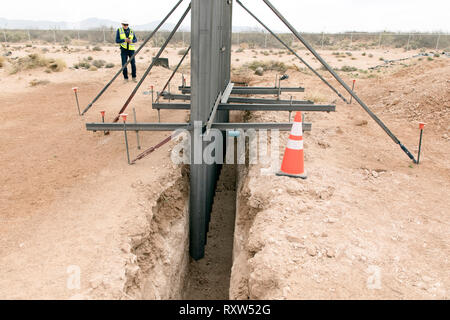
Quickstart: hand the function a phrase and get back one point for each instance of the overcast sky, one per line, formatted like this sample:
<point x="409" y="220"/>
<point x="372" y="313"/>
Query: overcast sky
<point x="311" y="16"/>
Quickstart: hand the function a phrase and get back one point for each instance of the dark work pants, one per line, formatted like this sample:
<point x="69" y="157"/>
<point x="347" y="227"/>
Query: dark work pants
<point x="125" y="54"/>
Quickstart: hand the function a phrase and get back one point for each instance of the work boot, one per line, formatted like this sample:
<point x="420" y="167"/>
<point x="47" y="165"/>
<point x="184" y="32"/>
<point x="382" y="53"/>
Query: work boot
<point x="125" y="80"/>
<point x="134" y="80"/>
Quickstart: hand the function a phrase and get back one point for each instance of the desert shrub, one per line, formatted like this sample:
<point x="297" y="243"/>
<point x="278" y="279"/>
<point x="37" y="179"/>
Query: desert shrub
<point x="430" y="59"/>
<point x="93" y="68"/>
<point x="96" y="49"/>
<point x="82" y="65"/>
<point x="99" y="63"/>
<point x="437" y="55"/>
<point x="45" y="50"/>
<point x="268" y="66"/>
<point x="31" y="61"/>
<point x="109" y="65"/>
<point x="36" y="82"/>
<point x="57" y="65"/>
<point x="315" y="97"/>
<point x="348" y="69"/>
<point x="28" y="45"/>
<point x="90" y="58"/>
<point x="381" y="59"/>
<point x="240" y="50"/>
<point x="363" y="54"/>
<point x="370" y="55"/>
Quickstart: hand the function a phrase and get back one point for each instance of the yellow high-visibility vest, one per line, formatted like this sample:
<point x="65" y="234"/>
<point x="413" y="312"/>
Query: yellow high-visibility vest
<point x="123" y="36"/>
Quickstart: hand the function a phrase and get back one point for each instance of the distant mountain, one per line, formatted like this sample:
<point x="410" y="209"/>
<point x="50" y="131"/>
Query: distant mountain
<point x="91" y="23"/>
<point x="96" y="23"/>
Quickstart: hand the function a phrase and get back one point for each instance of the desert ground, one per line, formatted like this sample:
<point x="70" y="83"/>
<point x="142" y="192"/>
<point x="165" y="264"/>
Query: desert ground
<point x="69" y="201"/>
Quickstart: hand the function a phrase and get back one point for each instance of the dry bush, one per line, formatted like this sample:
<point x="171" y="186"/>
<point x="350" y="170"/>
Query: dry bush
<point x="348" y="69"/>
<point x="109" y="65"/>
<point x="82" y="65"/>
<point x="36" y="82"/>
<point x="99" y="63"/>
<point x="57" y="65"/>
<point x="315" y="97"/>
<point x="33" y="61"/>
<point x="268" y="66"/>
<point x="241" y="77"/>
<point x="93" y="68"/>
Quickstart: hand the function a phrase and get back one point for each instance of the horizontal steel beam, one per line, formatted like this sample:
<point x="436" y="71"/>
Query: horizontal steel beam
<point x="255" y="90"/>
<point x="187" y="126"/>
<point x="259" y="126"/>
<point x="137" y="126"/>
<point x="169" y="96"/>
<point x="251" y="107"/>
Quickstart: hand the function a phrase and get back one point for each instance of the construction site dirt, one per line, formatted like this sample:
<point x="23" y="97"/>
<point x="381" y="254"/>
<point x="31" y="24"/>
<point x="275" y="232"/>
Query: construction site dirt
<point x="367" y="224"/>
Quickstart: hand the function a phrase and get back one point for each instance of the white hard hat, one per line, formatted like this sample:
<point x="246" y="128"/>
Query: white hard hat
<point x="124" y="21"/>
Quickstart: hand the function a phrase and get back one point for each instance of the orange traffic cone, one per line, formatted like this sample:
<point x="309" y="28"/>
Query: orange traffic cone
<point x="293" y="161"/>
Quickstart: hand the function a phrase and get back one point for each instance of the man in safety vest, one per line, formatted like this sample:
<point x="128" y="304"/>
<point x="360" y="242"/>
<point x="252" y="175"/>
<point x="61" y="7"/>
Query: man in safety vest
<point x="127" y="39"/>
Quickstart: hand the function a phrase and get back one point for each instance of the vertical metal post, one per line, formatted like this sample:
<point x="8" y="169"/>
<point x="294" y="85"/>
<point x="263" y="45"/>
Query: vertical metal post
<point x="137" y="132"/>
<point x="290" y="112"/>
<point x="421" y="127"/>
<point x="420" y="146"/>
<point x="210" y="61"/>
<point x="437" y="43"/>
<point x="76" y="98"/>
<point x="124" y="116"/>
<point x="353" y="89"/>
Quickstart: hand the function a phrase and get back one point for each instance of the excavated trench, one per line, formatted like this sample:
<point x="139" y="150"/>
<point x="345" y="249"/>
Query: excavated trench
<point x="162" y="268"/>
<point x="209" y="278"/>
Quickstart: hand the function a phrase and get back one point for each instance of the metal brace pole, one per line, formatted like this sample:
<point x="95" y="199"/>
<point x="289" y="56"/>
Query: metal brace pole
<point x="153" y="63"/>
<point x="132" y="57"/>
<point x="137" y="132"/>
<point x="293" y="52"/>
<point x="213" y="114"/>
<point x="338" y="78"/>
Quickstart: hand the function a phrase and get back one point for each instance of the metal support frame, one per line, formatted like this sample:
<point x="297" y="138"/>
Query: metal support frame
<point x="293" y="52"/>
<point x="254" y="90"/>
<point x="183" y="97"/>
<point x="173" y="73"/>
<point x="252" y="107"/>
<point x="339" y="79"/>
<point x="169" y="127"/>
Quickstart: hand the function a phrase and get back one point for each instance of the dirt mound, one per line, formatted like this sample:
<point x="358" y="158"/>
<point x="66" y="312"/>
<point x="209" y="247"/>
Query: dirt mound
<point x="417" y="93"/>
